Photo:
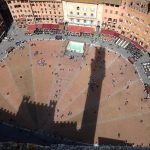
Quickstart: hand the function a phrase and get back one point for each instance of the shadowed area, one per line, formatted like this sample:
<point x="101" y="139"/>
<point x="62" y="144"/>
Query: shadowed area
<point x="4" y="10"/>
<point x="41" y="117"/>
<point x="90" y="114"/>
<point x="114" y="142"/>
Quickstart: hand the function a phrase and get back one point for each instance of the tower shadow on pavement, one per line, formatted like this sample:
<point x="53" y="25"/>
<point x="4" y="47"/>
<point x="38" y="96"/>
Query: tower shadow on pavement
<point x="38" y="119"/>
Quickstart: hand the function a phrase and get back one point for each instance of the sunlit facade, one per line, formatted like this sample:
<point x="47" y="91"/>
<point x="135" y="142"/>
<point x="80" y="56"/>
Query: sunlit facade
<point x="26" y="12"/>
<point x="127" y="17"/>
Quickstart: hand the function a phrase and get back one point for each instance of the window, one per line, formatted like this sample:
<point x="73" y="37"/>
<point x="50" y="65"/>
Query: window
<point x="78" y="20"/>
<point x="111" y="11"/>
<point x="120" y="20"/>
<point x="17" y="6"/>
<point x="71" y="13"/>
<point x="84" y="14"/>
<point x="92" y="9"/>
<point x="114" y="20"/>
<point x="92" y="14"/>
<point x="78" y="13"/>
<point x="109" y="19"/>
<point x="146" y="32"/>
<point x="105" y="10"/>
<point x="84" y="21"/>
<point x="137" y="18"/>
<point x="78" y="8"/>
<point x="116" y="12"/>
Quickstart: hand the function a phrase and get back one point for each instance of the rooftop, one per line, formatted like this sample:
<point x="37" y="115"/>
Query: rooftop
<point x="115" y="2"/>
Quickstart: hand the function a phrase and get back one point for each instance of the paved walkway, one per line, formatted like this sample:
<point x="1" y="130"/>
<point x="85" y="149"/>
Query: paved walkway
<point x="18" y="35"/>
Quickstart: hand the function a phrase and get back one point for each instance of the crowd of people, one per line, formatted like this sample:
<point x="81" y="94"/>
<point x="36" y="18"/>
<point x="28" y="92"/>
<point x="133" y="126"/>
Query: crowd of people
<point x="136" y="53"/>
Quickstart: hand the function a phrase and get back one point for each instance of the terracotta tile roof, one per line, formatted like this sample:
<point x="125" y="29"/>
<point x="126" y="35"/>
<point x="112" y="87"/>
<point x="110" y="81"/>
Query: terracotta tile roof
<point x="109" y="32"/>
<point x="50" y="26"/>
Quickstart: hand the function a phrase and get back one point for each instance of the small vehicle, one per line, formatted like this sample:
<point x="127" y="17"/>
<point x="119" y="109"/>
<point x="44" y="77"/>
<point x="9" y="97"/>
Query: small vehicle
<point x="10" y="49"/>
<point x="58" y="37"/>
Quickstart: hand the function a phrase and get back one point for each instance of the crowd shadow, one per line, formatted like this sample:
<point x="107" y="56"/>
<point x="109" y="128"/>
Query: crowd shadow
<point x="39" y="117"/>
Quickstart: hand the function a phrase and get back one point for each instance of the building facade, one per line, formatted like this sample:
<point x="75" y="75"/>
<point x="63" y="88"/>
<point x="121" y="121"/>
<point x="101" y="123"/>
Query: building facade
<point x="136" y="22"/>
<point x="88" y="13"/>
<point x="26" y="12"/>
<point x="130" y="18"/>
<point x="82" y="13"/>
<point x="21" y="12"/>
<point x="49" y="11"/>
<point x="113" y="15"/>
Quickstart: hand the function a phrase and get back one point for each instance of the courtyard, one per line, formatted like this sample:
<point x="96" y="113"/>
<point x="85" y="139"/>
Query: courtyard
<point x="41" y="71"/>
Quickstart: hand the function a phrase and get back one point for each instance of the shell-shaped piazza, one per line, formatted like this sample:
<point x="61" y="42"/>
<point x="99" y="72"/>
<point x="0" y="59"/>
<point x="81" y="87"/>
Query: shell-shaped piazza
<point x="82" y="99"/>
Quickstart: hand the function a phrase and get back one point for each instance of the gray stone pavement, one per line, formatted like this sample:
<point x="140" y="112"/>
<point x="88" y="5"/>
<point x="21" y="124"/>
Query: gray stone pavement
<point x="18" y="35"/>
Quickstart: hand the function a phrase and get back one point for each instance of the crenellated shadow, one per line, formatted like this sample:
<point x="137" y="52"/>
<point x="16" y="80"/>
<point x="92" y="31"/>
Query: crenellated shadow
<point x="38" y="118"/>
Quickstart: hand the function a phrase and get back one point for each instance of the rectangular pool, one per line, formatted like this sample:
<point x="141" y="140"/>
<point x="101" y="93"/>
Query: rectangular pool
<point x="75" y="47"/>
